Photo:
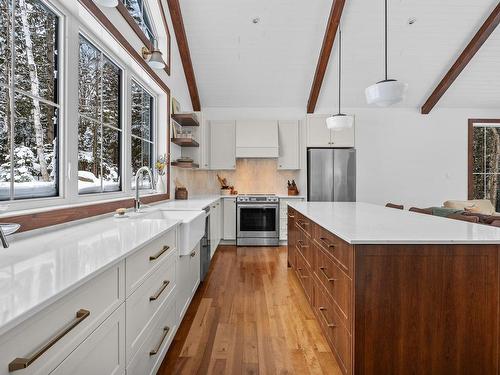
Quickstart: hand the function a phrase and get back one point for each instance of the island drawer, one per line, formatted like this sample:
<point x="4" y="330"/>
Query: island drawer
<point x="340" y="250"/>
<point x="303" y="245"/>
<point x="303" y="223"/>
<point x="144" y="304"/>
<point x="305" y="276"/>
<point x="337" y="335"/>
<point x="143" y="262"/>
<point x="336" y="283"/>
<point x="42" y="342"/>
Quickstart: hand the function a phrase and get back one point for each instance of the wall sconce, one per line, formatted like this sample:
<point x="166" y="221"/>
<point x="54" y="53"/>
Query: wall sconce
<point x="154" y="58"/>
<point x="107" y="3"/>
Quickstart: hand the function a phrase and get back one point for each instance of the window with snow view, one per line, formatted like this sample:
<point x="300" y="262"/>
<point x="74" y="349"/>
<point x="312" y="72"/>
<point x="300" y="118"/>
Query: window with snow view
<point x="99" y="123"/>
<point x="139" y="13"/>
<point x="142" y="131"/>
<point x="29" y="106"/>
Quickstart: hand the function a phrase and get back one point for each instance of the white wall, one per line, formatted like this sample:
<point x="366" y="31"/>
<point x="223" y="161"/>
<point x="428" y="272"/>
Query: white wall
<point x="402" y="156"/>
<point x="408" y="158"/>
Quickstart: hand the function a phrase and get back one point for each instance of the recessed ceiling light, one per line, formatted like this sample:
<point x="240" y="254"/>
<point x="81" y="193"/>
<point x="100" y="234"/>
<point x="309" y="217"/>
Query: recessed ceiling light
<point x="256" y="20"/>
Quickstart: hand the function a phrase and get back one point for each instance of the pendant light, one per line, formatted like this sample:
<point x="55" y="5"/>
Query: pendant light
<point x="107" y="3"/>
<point x="339" y="121"/>
<point x="388" y="91"/>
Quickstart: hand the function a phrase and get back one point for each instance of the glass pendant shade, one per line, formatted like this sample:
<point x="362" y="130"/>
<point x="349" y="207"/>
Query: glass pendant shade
<point x="107" y="3"/>
<point x="386" y="93"/>
<point x="339" y="122"/>
<point x="156" y="60"/>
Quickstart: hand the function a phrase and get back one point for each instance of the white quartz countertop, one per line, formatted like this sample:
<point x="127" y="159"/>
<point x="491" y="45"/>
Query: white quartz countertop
<point x="190" y="204"/>
<point x="364" y="223"/>
<point x="37" y="270"/>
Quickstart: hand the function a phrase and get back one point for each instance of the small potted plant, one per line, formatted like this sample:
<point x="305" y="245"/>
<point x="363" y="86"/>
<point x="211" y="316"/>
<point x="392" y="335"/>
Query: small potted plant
<point x="160" y="167"/>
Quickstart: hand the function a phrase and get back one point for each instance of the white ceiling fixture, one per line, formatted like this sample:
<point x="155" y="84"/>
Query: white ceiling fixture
<point x="107" y="3"/>
<point x="340" y="121"/>
<point x="389" y="91"/>
<point x="154" y="58"/>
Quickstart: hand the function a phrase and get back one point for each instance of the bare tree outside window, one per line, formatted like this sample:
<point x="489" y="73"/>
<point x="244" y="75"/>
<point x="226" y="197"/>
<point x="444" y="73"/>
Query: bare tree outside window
<point x="142" y="130"/>
<point x="486" y="163"/>
<point x="99" y="128"/>
<point x="29" y="107"/>
<point x="139" y="13"/>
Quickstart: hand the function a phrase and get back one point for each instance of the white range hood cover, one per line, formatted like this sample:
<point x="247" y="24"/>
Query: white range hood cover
<point x="257" y="139"/>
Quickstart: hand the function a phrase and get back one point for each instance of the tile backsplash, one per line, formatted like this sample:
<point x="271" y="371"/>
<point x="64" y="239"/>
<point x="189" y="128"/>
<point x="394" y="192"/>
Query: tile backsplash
<point x="250" y="176"/>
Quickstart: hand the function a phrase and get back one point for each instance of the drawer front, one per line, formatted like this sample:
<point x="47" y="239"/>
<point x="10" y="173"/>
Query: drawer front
<point x="303" y="245"/>
<point x="336" y="283"/>
<point x="335" y="247"/>
<point x="305" y="276"/>
<point x="339" y="338"/>
<point x="65" y="324"/>
<point x="143" y="262"/>
<point x="103" y="352"/>
<point x="143" y="305"/>
<point x="304" y="224"/>
<point x="150" y="355"/>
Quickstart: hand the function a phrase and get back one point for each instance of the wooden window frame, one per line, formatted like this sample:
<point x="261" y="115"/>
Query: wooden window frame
<point x="470" y="158"/>
<point x="140" y="34"/>
<point x="44" y="218"/>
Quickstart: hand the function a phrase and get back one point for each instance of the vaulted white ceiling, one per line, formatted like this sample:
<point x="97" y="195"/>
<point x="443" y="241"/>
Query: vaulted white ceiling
<point x="271" y="64"/>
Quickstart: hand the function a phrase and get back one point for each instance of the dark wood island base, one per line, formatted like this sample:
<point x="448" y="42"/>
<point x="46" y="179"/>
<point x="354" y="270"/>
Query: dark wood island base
<point x="400" y="309"/>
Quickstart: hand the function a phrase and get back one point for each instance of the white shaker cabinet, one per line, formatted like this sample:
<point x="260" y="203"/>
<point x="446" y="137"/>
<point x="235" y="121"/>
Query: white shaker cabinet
<point x="318" y="135"/>
<point x="229" y="220"/>
<point x="222" y="145"/>
<point x="103" y="352"/>
<point x="289" y="145"/>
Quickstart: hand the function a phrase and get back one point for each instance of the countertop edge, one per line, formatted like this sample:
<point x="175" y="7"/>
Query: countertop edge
<point x="6" y="327"/>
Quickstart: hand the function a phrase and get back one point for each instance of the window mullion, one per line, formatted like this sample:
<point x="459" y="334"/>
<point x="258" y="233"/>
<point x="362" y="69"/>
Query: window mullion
<point x="12" y="101"/>
<point x="101" y="118"/>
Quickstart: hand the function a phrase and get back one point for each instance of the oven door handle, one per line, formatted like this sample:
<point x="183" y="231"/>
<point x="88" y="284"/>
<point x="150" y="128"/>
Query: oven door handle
<point x="257" y="205"/>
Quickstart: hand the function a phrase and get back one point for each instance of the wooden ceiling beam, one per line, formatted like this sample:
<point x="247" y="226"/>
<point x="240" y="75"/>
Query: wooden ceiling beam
<point x="326" y="50"/>
<point x="463" y="60"/>
<point x="180" y="35"/>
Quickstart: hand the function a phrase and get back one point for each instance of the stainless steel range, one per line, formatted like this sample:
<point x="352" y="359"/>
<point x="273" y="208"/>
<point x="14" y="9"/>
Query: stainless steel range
<point x="257" y="220"/>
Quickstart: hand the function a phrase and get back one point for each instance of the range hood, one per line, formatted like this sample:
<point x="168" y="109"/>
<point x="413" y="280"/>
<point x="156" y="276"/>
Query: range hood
<point x="257" y="139"/>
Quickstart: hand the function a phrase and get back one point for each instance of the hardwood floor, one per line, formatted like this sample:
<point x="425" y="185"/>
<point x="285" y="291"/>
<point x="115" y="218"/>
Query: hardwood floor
<point x="250" y="316"/>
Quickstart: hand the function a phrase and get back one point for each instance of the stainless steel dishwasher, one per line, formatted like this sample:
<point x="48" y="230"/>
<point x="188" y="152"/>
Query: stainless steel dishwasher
<point x="205" y="247"/>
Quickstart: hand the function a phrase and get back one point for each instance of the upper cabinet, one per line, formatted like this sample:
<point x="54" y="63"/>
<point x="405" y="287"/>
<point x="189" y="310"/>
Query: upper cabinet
<point x="318" y="135"/>
<point x="289" y="145"/>
<point x="257" y="139"/>
<point x="222" y="145"/>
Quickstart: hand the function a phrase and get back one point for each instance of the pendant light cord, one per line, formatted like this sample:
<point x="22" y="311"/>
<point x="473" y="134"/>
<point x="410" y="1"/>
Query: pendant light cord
<point x="386" y="40"/>
<point x="340" y="65"/>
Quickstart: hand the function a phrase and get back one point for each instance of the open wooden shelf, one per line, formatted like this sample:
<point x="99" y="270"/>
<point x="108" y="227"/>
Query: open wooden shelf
<point x="185" y="142"/>
<point x="184" y="165"/>
<point x="186" y="119"/>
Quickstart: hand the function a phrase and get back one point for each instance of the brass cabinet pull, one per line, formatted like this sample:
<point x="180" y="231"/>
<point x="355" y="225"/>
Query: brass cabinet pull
<point x="22" y="363"/>
<point x="301" y="244"/>
<point x="325" y="242"/>
<point x="157" y="349"/>
<point x="322" y="311"/>
<point x="159" y="253"/>
<point x="160" y="291"/>
<point x="302" y="223"/>
<point x="291" y="216"/>
<point x="193" y="253"/>
<point x="300" y="274"/>
<point x="325" y="274"/>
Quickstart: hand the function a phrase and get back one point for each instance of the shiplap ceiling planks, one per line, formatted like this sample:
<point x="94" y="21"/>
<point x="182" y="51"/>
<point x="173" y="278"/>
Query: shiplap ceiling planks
<point x="272" y="63"/>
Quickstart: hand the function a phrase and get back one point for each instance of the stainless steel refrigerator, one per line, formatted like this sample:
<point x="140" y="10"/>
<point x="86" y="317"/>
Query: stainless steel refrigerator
<point x="331" y="175"/>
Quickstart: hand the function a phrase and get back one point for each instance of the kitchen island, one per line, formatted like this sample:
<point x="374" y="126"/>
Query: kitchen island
<point x="398" y="292"/>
